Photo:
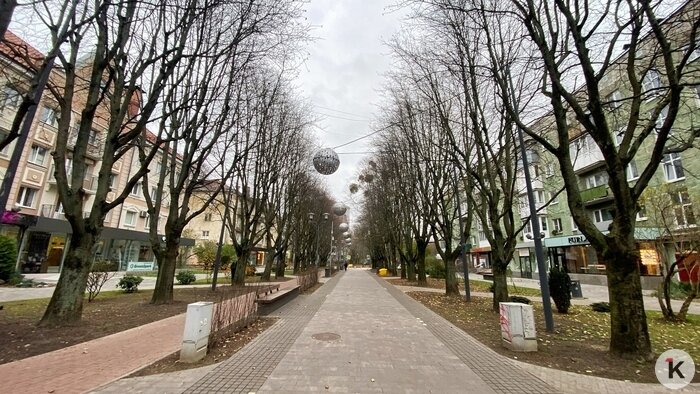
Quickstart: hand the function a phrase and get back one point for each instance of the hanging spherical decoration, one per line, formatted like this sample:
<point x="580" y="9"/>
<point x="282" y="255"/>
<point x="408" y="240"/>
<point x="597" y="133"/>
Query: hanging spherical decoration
<point x="326" y="161"/>
<point x="343" y="227"/>
<point x="347" y="235"/>
<point x="339" y="209"/>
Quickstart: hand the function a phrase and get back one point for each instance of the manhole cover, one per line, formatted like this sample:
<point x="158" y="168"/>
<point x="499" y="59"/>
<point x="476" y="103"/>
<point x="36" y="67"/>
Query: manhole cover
<point x="326" y="336"/>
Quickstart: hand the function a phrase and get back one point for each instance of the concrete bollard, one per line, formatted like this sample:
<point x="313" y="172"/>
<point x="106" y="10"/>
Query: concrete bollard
<point x="197" y="329"/>
<point x="518" y="327"/>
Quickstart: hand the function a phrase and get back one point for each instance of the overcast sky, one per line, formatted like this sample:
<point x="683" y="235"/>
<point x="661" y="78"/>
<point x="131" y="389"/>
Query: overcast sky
<point x="343" y="75"/>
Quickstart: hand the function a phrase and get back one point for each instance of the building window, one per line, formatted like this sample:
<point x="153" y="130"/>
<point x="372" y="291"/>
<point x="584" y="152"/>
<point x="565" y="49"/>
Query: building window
<point x="683" y="208"/>
<point x="673" y="167"/>
<point x="543" y="223"/>
<point x="552" y="200"/>
<point x="696" y="53"/>
<point x="130" y="219"/>
<point x="582" y="144"/>
<point x="632" y="172"/>
<point x="651" y="82"/>
<point x="618" y="136"/>
<point x="528" y="227"/>
<point x="92" y="137"/>
<point x="602" y="215"/>
<point x="207" y="217"/>
<point x="663" y="114"/>
<point x="154" y="193"/>
<point x="112" y="180"/>
<point x="205" y="234"/>
<point x="26" y="197"/>
<point x="556" y="223"/>
<point x="49" y="116"/>
<point x="614" y="100"/>
<point x="136" y="190"/>
<point x="642" y="213"/>
<point x="540" y="197"/>
<point x="597" y="179"/>
<point x="549" y="169"/>
<point x="147" y="222"/>
<point x="37" y="155"/>
<point x="11" y="97"/>
<point x="574" y="226"/>
<point x="482" y="235"/>
<point x="159" y="167"/>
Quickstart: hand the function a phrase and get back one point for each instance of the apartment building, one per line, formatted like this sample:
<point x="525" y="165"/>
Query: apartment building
<point x="37" y="221"/>
<point x="677" y="177"/>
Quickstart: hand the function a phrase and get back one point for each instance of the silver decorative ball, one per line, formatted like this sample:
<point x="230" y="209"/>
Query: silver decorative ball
<point x="347" y="235"/>
<point x="326" y="161"/>
<point x="343" y="227"/>
<point x="339" y="209"/>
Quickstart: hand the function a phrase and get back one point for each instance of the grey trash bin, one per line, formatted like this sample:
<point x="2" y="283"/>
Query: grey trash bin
<point x="576" y="289"/>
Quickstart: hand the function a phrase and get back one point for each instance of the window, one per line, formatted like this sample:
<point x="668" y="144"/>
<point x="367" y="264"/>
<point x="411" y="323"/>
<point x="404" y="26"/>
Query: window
<point x="112" y="180"/>
<point x="556" y="223"/>
<point x="147" y="222"/>
<point x="154" y="193"/>
<point x="536" y="171"/>
<point x="26" y="197"/>
<point x="49" y="116"/>
<point x="552" y="200"/>
<point x="528" y="227"/>
<point x="540" y="197"/>
<point x="205" y="234"/>
<point x="597" y="179"/>
<point x="11" y="98"/>
<point x="574" y="226"/>
<point x="632" y="172"/>
<point x="582" y="144"/>
<point x="130" y="218"/>
<point x="6" y="150"/>
<point x="651" y="82"/>
<point x="683" y="208"/>
<point x="159" y="167"/>
<point x="642" y="213"/>
<point x="37" y="155"/>
<point x="696" y="53"/>
<point x="482" y="235"/>
<point x="207" y="217"/>
<point x="697" y="92"/>
<point x="549" y="169"/>
<point x="602" y="215"/>
<point x="673" y="167"/>
<point x="136" y="190"/>
<point x="618" y="136"/>
<point x="663" y="114"/>
<point x="543" y="223"/>
<point x="614" y="100"/>
<point x="92" y="137"/>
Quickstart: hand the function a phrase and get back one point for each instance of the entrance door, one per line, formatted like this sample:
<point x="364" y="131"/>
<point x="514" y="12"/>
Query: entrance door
<point x="526" y="267"/>
<point x="36" y="250"/>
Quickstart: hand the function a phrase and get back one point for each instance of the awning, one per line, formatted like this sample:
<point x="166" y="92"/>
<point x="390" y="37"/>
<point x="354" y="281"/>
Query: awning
<point x="640" y="234"/>
<point x="482" y="249"/>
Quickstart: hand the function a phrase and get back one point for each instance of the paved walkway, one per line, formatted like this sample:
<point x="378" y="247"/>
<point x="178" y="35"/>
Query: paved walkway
<point x="358" y="333"/>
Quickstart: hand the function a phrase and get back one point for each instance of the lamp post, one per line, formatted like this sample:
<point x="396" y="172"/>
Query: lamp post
<point x="539" y="253"/>
<point x="462" y="242"/>
<point x="328" y="271"/>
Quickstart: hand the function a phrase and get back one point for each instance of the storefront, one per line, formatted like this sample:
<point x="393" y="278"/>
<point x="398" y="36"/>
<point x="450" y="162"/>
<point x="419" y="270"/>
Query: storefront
<point x="481" y="257"/>
<point x="43" y="246"/>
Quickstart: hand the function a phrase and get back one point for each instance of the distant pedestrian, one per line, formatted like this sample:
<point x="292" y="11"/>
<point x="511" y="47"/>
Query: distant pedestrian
<point x="346" y="266"/>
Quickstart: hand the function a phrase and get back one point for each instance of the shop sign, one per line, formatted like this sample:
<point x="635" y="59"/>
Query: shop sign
<point x="565" y="241"/>
<point x="140" y="266"/>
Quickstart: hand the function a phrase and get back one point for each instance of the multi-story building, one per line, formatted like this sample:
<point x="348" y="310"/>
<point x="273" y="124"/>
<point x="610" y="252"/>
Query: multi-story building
<point x="677" y="176"/>
<point x="43" y="233"/>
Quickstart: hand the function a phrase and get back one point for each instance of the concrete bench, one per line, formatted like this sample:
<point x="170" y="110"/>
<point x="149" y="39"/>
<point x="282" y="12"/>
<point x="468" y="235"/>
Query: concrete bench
<point x="273" y="300"/>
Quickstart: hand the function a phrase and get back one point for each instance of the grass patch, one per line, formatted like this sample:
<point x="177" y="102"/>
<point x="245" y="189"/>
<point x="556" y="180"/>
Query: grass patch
<point x="475" y="285"/>
<point x="580" y="339"/>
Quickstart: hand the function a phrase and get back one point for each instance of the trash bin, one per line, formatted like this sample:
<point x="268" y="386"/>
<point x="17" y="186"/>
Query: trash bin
<point x="383" y="272"/>
<point x="576" y="289"/>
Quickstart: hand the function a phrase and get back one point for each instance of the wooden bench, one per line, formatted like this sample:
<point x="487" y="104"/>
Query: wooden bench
<point x="267" y="289"/>
<point x="267" y="302"/>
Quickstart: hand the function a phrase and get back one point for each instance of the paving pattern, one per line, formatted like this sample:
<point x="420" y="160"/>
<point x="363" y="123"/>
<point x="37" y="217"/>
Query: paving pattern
<point x="248" y="369"/>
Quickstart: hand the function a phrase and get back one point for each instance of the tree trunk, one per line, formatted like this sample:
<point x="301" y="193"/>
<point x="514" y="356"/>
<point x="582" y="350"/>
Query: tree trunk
<point x="629" y="335"/>
<point x="420" y="262"/>
<point x="269" y="259"/>
<point x="279" y="267"/>
<point x="7" y="8"/>
<point x="451" y="285"/>
<point x="66" y="305"/>
<point x="500" y="284"/>
<point x="238" y="277"/>
<point x="167" y="262"/>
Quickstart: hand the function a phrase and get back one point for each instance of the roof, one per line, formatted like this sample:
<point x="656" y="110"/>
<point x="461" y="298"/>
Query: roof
<point x="19" y="50"/>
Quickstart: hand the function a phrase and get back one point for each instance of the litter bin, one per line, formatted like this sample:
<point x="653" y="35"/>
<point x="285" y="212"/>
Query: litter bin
<point x="576" y="289"/>
<point x="383" y="272"/>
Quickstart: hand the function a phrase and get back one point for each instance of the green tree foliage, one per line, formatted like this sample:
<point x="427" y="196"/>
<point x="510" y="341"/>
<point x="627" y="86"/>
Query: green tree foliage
<point x="8" y="257"/>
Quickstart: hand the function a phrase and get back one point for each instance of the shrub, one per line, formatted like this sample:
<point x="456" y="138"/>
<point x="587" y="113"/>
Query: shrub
<point x="560" y="289"/>
<point x="185" y="277"/>
<point x="435" y="268"/>
<point x="15" y="279"/>
<point x="249" y="270"/>
<point x="520" y="299"/>
<point x="8" y="258"/>
<point x="100" y="272"/>
<point x="601" y="306"/>
<point x="130" y="283"/>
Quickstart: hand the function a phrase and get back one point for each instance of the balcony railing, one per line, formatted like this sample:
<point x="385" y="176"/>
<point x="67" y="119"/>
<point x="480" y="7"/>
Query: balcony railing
<point x="49" y="211"/>
<point x="594" y="193"/>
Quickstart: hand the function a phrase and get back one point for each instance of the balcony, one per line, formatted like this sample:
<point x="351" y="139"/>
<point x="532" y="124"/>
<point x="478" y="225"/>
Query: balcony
<point x="50" y="211"/>
<point x="89" y="183"/>
<point x="595" y="194"/>
<point x="525" y="210"/>
<point x="586" y="157"/>
<point x="95" y="146"/>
